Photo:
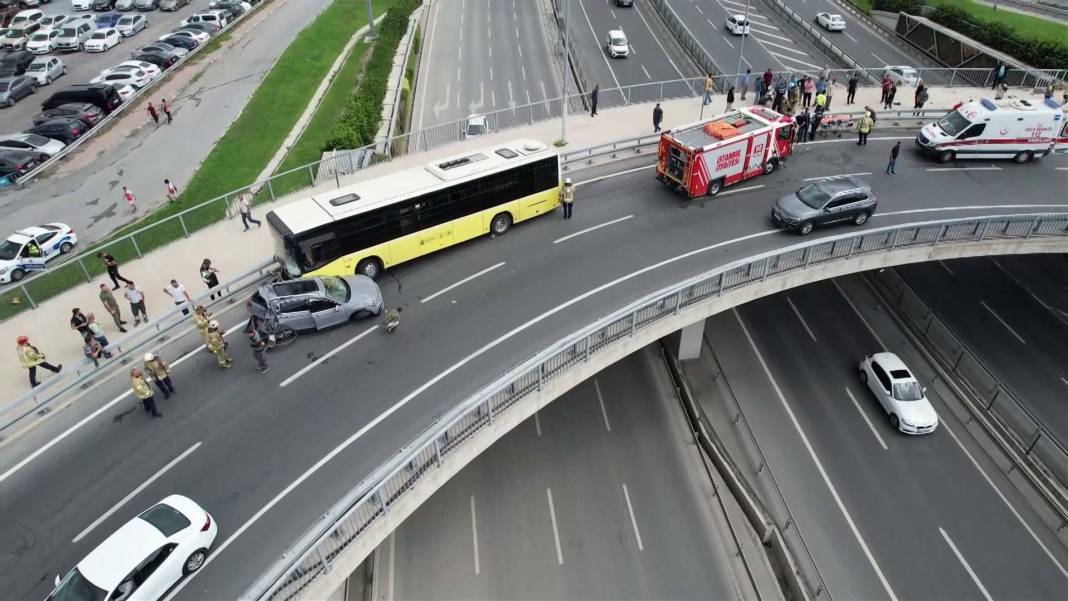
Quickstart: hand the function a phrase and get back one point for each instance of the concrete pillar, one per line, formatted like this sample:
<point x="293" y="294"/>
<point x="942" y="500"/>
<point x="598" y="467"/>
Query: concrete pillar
<point x="690" y="339"/>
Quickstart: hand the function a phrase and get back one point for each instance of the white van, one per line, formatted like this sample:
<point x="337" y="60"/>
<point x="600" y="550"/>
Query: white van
<point x="1018" y="129"/>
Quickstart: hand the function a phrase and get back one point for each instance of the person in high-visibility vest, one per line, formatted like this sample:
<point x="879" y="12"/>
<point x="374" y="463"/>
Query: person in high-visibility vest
<point x="217" y="345"/>
<point x="30" y="358"/>
<point x="201" y="319"/>
<point x="567" y="197"/>
<point x="143" y="391"/>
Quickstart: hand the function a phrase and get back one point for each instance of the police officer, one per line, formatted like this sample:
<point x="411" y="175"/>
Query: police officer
<point x="567" y="196"/>
<point x="143" y="392"/>
<point x="258" y="341"/>
<point x="201" y="319"/>
<point x="161" y="373"/>
<point x="217" y="345"/>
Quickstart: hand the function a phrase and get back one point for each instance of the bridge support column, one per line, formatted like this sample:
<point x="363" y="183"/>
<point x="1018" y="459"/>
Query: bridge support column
<point x="689" y="341"/>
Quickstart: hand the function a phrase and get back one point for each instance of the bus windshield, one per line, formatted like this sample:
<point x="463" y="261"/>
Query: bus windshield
<point x="953" y="123"/>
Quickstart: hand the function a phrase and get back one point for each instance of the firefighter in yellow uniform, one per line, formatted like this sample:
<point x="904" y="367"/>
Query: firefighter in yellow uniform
<point x="143" y="391"/>
<point x="217" y="345"/>
<point x="201" y="319"/>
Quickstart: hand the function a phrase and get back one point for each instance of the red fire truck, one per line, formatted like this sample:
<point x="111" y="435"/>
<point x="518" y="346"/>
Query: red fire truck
<point x="704" y="157"/>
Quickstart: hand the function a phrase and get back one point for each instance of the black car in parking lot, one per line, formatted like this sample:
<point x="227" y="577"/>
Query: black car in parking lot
<point x="15" y="63"/>
<point x="90" y="114"/>
<point x="181" y="42"/>
<point x="103" y="4"/>
<point x="16" y="163"/>
<point x="162" y="61"/>
<point x="103" y="95"/>
<point x="64" y="129"/>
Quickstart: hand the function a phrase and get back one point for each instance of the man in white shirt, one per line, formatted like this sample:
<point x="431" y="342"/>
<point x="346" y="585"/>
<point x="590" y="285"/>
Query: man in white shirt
<point x="245" y="207"/>
<point x="180" y="295"/>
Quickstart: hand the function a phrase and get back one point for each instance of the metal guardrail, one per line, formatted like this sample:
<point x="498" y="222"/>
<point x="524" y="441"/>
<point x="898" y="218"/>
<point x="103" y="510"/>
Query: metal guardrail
<point x="369" y="501"/>
<point x="38" y="398"/>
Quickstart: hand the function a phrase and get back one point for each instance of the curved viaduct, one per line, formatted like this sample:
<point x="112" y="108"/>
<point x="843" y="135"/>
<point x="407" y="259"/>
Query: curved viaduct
<point x="276" y="453"/>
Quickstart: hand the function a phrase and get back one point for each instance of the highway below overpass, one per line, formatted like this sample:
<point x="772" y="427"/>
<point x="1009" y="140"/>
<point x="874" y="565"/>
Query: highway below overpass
<point x="270" y="453"/>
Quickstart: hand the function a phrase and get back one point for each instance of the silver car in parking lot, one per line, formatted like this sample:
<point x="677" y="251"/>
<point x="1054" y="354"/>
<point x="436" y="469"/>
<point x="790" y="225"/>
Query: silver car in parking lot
<point x="317" y="303"/>
<point x="826" y="201"/>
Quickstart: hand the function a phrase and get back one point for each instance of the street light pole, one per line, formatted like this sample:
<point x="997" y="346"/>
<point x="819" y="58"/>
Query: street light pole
<point x="563" y="73"/>
<point x="741" y="46"/>
<point x="370" y="21"/>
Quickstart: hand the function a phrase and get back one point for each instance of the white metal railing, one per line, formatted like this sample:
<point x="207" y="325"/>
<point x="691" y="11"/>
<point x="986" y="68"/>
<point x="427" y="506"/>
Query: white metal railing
<point x="311" y="556"/>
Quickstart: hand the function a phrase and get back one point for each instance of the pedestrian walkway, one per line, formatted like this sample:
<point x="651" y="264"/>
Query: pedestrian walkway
<point x="234" y="251"/>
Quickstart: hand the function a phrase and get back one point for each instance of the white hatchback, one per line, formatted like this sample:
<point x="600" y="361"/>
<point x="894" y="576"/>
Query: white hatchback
<point x="899" y="394"/>
<point x="103" y="40"/>
<point x="737" y="24"/>
<point x="144" y="558"/>
<point x="617" y="44"/>
<point x="81" y="4"/>
<point x="43" y="42"/>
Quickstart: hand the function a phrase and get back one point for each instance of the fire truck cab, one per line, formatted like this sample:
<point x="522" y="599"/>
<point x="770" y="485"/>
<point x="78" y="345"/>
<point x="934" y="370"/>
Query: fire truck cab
<point x="704" y="157"/>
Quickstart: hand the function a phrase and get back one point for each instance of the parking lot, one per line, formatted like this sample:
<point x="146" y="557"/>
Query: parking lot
<point x="83" y="66"/>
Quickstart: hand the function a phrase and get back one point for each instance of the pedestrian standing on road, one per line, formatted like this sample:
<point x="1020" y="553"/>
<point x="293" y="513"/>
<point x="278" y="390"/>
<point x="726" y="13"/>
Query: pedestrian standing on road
<point x="166" y="109"/>
<point x="172" y="190"/>
<point x="97" y="331"/>
<point x="807" y="88"/>
<point x="709" y="85"/>
<point x="801" y="133"/>
<point x="744" y="81"/>
<point x="658" y="116"/>
<point x="152" y="113"/>
<point x="144" y="392"/>
<point x="179" y="295"/>
<point x="817" y="117"/>
<point x="30" y="358"/>
<point x="111" y="306"/>
<point x="890" y="96"/>
<point x="593" y="99"/>
<point x="130" y="199"/>
<point x="79" y="322"/>
<point x="112" y="267"/>
<point x="258" y="341"/>
<point x="864" y="128"/>
<point x="93" y="350"/>
<point x="160" y="371"/>
<point x="210" y="276"/>
<point x="245" y="207"/>
<point x="730" y="98"/>
<point x="893" y="159"/>
<point x="830" y="94"/>
<point x="201" y="319"/>
<point x="217" y="345"/>
<point x="567" y="197"/>
<point x="136" y="296"/>
<point x="851" y="88"/>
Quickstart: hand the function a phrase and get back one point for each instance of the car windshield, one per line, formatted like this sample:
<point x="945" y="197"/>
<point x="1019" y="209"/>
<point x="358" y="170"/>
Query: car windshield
<point x="99" y="35"/>
<point x="35" y="140"/>
<point x="953" y="123"/>
<point x="336" y="289"/>
<point x="69" y="32"/>
<point x="475" y="129"/>
<point x="9" y="250"/>
<point x="13" y="33"/>
<point x="36" y="67"/>
<point x="40" y="37"/>
<point x="166" y="519"/>
<point x="618" y="40"/>
<point x="125" y="20"/>
<point x="813" y="196"/>
<point x="75" y="587"/>
<point x="907" y="391"/>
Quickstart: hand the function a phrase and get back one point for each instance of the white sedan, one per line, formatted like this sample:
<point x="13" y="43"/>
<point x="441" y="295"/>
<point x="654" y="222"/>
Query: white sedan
<point x="197" y="36"/>
<point x="31" y="143"/>
<point x="81" y="4"/>
<point x="43" y="42"/>
<point x="129" y="25"/>
<point x="126" y="91"/>
<point x="899" y="394"/>
<point x="103" y="40"/>
<point x="29" y="249"/>
<point x="830" y="22"/>
<point x="134" y="77"/>
<point x="152" y="70"/>
<point x="145" y="557"/>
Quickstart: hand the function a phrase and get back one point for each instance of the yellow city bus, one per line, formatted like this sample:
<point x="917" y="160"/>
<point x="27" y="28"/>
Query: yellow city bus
<point x="381" y="222"/>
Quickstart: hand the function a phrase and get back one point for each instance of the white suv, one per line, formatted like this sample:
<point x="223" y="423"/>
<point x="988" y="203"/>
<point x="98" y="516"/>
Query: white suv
<point x="617" y="44"/>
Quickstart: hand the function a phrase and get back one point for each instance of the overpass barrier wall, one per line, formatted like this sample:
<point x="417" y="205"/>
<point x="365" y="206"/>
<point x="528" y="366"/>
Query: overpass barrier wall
<point x="431" y="453"/>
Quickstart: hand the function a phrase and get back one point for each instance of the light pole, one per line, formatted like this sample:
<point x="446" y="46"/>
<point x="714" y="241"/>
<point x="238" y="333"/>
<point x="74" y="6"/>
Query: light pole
<point x="370" y="21"/>
<point x="741" y="46"/>
<point x="563" y="73"/>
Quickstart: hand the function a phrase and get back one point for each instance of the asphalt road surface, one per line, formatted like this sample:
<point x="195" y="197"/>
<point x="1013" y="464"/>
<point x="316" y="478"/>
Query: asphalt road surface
<point x="886" y="515"/>
<point x="631" y="505"/>
<point x="260" y="467"/>
<point x="1007" y="322"/>
<point x="864" y="44"/>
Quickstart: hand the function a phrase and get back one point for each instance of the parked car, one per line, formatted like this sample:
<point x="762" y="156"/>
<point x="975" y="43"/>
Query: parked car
<point x="103" y="40"/>
<point x="14" y="89"/>
<point x="147" y="4"/>
<point x="43" y="42"/>
<point x="124" y="5"/>
<point x="129" y="25"/>
<point x="105" y="20"/>
<point x="90" y="114"/>
<point x="125" y="91"/>
<point x="172" y="5"/>
<point x="100" y="5"/>
<point x="830" y="22"/>
<point x="81" y="4"/>
<point x="617" y="44"/>
<point x="144" y="558"/>
<point x="64" y="129"/>
<point x="162" y="48"/>
<point x="902" y="75"/>
<point x="51" y="240"/>
<point x="15" y="164"/>
<point x="737" y="24"/>
<point x="24" y="19"/>
<point x="15" y="63"/>
<point x="898" y="393"/>
<point x="161" y="61"/>
<point x="235" y="8"/>
<point x="46" y="69"/>
<point x="136" y="78"/>
<point x="208" y="29"/>
<point x="7" y="13"/>
<point x="54" y="21"/>
<point x="824" y="202"/>
<point x="215" y="17"/>
<point x="32" y="143"/>
<point x="152" y="70"/>
<point x="102" y="96"/>
<point x="185" y="39"/>
<point x="317" y="303"/>
<point x="73" y="36"/>
<point x="15" y="38"/>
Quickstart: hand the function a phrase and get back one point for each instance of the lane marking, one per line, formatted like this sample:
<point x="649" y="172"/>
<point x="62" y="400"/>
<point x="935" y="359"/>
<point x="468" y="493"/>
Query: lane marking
<point x="85" y="420"/>
<point x="135" y="492"/>
<point x="1002" y="322"/>
<point x="656" y="38"/>
<point x="852" y="141"/>
<point x="801" y="319"/>
<point x="537" y="423"/>
<point x="611" y="175"/>
<point x="851" y="37"/>
<point x="600" y="400"/>
<point x="556" y="533"/>
<point x="967" y="208"/>
<point x="1055" y="311"/>
<point x="1065" y="381"/>
<point x="946" y="267"/>
<point x="474" y="534"/>
<point x="646" y="71"/>
<point x="967" y="566"/>
<point x="737" y="190"/>
<point x="784" y="57"/>
<point x="461" y="282"/>
<point x="863" y="415"/>
<point x="786" y="48"/>
<point x="593" y="228"/>
<point x="939" y="169"/>
<point x="318" y="361"/>
<point x="810" y="179"/>
<point x="429" y="49"/>
<point x="881" y="61"/>
<point x="633" y="520"/>
<point x="819" y="466"/>
<point x="863" y="319"/>
<point x="593" y="32"/>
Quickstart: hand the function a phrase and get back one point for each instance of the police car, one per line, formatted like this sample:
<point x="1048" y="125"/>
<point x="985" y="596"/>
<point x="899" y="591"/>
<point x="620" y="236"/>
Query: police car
<point x="29" y="249"/>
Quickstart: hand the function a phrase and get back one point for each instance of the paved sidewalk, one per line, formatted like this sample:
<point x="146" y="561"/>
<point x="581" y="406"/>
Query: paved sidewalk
<point x="234" y="251"/>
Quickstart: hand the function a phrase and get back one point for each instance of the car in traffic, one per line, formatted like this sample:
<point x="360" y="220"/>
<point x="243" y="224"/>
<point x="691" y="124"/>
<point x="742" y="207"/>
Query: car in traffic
<point x="317" y="303"/>
<point x="46" y="69"/>
<point x="899" y="393"/>
<point x="172" y="5"/>
<point x="32" y="143"/>
<point x="617" y="44"/>
<point x="73" y="36"/>
<point x="81" y="4"/>
<point x="64" y="129"/>
<point x="902" y="75"/>
<point x="124" y="5"/>
<point x="15" y="88"/>
<point x="105" y="20"/>
<point x="15" y="63"/>
<point x="16" y="163"/>
<point x="103" y="40"/>
<point x="43" y="42"/>
<point x="51" y="240"/>
<point x="102" y="95"/>
<point x="15" y="38"/>
<point x="737" y="24"/>
<point x="90" y="114"/>
<point x="475" y="126"/>
<point x="129" y="25"/>
<point x="830" y="21"/>
<point x="144" y="558"/>
<point x="824" y="202"/>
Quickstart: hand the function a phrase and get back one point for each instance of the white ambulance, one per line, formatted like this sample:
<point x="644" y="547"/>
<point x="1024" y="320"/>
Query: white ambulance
<point x="1014" y="128"/>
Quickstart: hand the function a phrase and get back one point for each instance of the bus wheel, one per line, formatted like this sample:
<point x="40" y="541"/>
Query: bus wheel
<point x="370" y="267"/>
<point x="714" y="187"/>
<point x="500" y="224"/>
<point x="1023" y="157"/>
<point x="946" y="156"/>
<point x="770" y="166"/>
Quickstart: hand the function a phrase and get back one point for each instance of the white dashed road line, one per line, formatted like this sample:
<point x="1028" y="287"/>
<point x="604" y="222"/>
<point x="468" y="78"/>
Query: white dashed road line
<point x="594" y="228"/>
<point x="461" y="282"/>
